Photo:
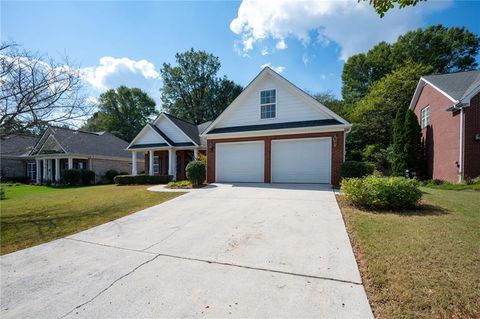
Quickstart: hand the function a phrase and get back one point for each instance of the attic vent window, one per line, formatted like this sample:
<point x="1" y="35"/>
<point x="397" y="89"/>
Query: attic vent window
<point x="268" y="104"/>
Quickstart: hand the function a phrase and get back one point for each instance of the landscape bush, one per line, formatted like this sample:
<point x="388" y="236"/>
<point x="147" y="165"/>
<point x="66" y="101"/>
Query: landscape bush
<point x="141" y="179"/>
<point x="196" y="171"/>
<point x="180" y="184"/>
<point x="2" y="192"/>
<point x="357" y="169"/>
<point x="110" y="175"/>
<point x="382" y="192"/>
<point x="72" y="176"/>
<point x="87" y="177"/>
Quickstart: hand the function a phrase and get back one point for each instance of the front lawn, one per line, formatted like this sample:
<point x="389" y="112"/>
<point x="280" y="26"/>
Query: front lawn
<point x="423" y="263"/>
<point x="31" y="215"/>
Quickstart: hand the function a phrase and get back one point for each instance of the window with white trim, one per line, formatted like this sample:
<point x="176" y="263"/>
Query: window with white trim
<point x="425" y="116"/>
<point x="268" y="104"/>
<point x="31" y="170"/>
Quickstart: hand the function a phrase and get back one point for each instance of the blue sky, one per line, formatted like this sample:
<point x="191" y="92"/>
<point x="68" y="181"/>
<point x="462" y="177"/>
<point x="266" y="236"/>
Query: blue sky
<point x="123" y="42"/>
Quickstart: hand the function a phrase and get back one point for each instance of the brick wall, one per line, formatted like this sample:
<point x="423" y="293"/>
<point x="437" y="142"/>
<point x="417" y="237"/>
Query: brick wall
<point x="472" y="146"/>
<point x="442" y="137"/>
<point x="100" y="166"/>
<point x="10" y="167"/>
<point x="337" y="152"/>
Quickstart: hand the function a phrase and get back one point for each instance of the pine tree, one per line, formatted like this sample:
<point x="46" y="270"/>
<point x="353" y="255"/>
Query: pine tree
<point x="398" y="152"/>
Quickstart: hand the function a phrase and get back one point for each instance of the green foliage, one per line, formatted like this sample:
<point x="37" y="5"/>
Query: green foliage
<point x="407" y="143"/>
<point x="110" y="175"/>
<point x="87" y="177"/>
<point x="382" y="192"/>
<point x="374" y="115"/>
<point x="379" y="156"/>
<point x="72" y="176"/>
<point x="382" y="6"/>
<point x="141" y="179"/>
<point x="356" y="169"/>
<point x="180" y="184"/>
<point x="196" y="171"/>
<point x="192" y="91"/>
<point x="122" y="112"/>
<point x="444" y="49"/>
<point x="2" y="192"/>
<point x="329" y="100"/>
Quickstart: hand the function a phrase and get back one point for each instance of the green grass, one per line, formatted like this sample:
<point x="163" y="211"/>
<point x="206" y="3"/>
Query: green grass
<point x="423" y="263"/>
<point x="31" y="215"/>
<point x="455" y="187"/>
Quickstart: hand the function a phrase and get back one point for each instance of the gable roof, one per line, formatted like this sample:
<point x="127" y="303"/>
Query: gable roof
<point x="455" y="86"/>
<point x="189" y="129"/>
<point x="17" y="145"/>
<point x="81" y="142"/>
<point x="275" y="75"/>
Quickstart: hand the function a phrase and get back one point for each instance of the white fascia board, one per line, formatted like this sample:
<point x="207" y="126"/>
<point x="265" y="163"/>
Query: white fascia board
<point x="55" y="140"/>
<point x="147" y="126"/>
<point x="297" y="130"/>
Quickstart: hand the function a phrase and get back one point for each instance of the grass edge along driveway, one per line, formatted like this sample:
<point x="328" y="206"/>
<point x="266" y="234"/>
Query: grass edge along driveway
<point x="32" y="215"/>
<point x="422" y="263"/>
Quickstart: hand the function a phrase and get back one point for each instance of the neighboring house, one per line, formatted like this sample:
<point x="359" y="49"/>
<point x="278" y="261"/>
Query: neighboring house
<point x="448" y="109"/>
<point x="15" y="161"/>
<point x="167" y="145"/>
<point x="274" y="132"/>
<point x="60" y="148"/>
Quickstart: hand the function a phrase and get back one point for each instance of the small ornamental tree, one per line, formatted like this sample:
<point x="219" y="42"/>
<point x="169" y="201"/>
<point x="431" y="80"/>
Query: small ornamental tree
<point x="398" y="143"/>
<point x="413" y="142"/>
<point x="196" y="171"/>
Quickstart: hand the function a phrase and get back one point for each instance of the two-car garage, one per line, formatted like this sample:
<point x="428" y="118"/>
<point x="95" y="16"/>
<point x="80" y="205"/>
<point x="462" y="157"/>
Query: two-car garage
<point x="291" y="161"/>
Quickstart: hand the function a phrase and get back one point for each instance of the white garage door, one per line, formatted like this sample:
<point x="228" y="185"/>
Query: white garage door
<point x="240" y="162"/>
<point x="301" y="160"/>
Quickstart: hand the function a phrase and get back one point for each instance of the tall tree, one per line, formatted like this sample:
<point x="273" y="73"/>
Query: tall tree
<point x="329" y="100"/>
<point x="382" y="6"/>
<point x="122" y="112"/>
<point x="445" y="49"/>
<point x="37" y="90"/>
<point x="399" y="162"/>
<point x="192" y="91"/>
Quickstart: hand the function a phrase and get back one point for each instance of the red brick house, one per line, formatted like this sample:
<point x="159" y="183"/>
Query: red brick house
<point x="448" y="109"/>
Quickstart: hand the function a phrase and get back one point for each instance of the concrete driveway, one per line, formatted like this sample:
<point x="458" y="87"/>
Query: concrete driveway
<point x="243" y="250"/>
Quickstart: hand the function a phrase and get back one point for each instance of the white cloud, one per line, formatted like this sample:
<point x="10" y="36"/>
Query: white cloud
<point x="354" y="26"/>
<point x="278" y="69"/>
<point x="264" y="51"/>
<point x="112" y="72"/>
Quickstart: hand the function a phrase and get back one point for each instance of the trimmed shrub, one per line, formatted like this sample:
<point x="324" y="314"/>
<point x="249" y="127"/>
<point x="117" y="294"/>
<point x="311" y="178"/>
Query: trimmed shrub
<point x="382" y="192"/>
<point x="356" y="169"/>
<point x="2" y="192"/>
<point x="196" y="171"/>
<point x="87" y="177"/>
<point x="180" y="184"/>
<point x="141" y="179"/>
<point x="110" y="175"/>
<point x="72" y="176"/>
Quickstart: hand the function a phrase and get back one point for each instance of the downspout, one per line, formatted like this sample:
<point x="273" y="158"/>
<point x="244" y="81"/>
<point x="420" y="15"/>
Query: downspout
<point x="462" y="145"/>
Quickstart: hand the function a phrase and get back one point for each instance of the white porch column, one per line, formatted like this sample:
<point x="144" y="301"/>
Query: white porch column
<point x="57" y="170"/>
<point x="134" y="163"/>
<point x="172" y="163"/>
<point x="45" y="170"/>
<point x="50" y="171"/>
<point x="150" y="163"/>
<point x="38" y="171"/>
<point x="195" y="154"/>
<point x="70" y="163"/>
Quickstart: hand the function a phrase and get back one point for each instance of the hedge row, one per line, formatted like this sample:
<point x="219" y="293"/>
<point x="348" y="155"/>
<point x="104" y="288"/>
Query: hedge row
<point x="141" y="179"/>
<point x="382" y="192"/>
<point x="356" y="169"/>
<point x="78" y="176"/>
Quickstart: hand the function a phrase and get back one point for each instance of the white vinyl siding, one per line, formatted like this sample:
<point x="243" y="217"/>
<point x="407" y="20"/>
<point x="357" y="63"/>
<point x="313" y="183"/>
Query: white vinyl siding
<point x="289" y="106"/>
<point x="172" y="131"/>
<point x="425" y="116"/>
<point x="240" y="162"/>
<point x="301" y="160"/>
<point x="149" y="136"/>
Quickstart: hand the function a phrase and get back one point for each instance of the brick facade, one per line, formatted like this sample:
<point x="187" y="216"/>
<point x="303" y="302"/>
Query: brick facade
<point x="336" y="161"/>
<point x="472" y="145"/>
<point x="442" y="137"/>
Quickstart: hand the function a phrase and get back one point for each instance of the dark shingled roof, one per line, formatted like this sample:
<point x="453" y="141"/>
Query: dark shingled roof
<point x="17" y="145"/>
<point x="457" y="85"/>
<point x="90" y="143"/>
<point x="274" y="126"/>
<point x="190" y="129"/>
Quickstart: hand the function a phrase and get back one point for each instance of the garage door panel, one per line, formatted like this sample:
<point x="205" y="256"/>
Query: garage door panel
<point x="240" y="162"/>
<point x="301" y="161"/>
